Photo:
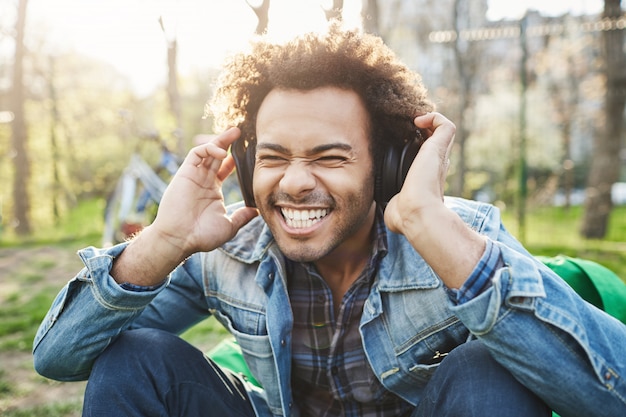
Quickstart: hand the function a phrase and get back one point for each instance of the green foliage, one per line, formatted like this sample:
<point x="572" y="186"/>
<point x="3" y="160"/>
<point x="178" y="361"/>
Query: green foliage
<point x="83" y="125"/>
<point x="61" y="409"/>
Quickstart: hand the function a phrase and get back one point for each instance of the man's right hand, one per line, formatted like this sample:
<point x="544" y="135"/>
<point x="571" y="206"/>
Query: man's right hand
<point x="191" y="216"/>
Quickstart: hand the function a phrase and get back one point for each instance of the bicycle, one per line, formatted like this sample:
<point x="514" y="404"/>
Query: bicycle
<point x="133" y="202"/>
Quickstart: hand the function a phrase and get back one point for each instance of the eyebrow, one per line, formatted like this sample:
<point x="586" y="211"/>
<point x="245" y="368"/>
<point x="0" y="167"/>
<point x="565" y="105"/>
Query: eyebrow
<point x="318" y="149"/>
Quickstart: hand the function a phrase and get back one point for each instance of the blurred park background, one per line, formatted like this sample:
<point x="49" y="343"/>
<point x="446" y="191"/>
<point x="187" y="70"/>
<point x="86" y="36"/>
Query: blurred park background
<point x="95" y="95"/>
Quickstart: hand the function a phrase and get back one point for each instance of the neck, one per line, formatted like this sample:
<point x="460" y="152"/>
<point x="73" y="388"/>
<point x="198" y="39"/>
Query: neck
<point x="342" y="266"/>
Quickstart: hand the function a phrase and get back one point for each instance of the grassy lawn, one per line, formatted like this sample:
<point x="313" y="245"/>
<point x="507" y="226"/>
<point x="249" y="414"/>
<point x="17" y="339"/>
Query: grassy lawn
<point x="64" y="409"/>
<point x="554" y="230"/>
<point x="27" y="291"/>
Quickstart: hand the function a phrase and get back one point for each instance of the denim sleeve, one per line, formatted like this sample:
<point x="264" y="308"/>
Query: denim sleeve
<point x="92" y="310"/>
<point x="564" y="349"/>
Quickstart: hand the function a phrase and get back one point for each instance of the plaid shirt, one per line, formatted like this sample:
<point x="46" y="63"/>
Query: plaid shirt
<point x="331" y="375"/>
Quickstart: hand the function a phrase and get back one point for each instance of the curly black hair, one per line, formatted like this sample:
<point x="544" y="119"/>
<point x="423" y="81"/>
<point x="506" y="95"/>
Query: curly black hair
<point x="392" y="94"/>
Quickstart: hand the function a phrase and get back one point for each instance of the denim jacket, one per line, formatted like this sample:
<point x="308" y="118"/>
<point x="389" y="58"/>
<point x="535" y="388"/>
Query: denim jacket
<point x="567" y="351"/>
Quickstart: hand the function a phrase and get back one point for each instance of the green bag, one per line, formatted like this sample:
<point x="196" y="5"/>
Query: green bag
<point x="227" y="354"/>
<point x="595" y="283"/>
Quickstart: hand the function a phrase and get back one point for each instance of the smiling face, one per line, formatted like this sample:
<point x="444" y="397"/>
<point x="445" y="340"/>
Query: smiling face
<point x="313" y="177"/>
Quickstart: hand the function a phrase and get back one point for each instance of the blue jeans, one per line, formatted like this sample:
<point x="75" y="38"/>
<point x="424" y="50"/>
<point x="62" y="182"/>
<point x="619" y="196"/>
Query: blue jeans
<point x="153" y="373"/>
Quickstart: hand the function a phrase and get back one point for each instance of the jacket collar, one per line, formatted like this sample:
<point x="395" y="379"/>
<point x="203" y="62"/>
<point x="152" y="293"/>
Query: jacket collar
<point x="402" y="268"/>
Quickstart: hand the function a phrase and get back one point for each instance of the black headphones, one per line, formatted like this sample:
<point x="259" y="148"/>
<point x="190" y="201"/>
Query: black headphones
<point x="390" y="175"/>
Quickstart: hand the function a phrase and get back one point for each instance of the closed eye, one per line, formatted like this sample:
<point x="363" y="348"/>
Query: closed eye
<point x="271" y="160"/>
<point x="331" y="160"/>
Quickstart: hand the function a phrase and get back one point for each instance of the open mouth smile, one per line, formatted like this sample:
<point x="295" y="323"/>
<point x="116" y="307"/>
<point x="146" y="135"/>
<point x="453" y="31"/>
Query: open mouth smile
<point x="302" y="219"/>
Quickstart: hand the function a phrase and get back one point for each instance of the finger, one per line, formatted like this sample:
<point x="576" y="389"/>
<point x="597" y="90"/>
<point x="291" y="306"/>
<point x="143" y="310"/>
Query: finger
<point x="227" y="137"/>
<point x="204" y="154"/>
<point x="435" y="121"/>
<point x="213" y="164"/>
<point x="424" y="131"/>
<point x="441" y="132"/>
<point x="241" y="216"/>
<point x="228" y="165"/>
<point x="216" y="147"/>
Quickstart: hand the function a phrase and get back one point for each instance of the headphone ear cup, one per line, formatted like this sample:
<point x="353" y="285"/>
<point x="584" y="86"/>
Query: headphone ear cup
<point x="244" y="155"/>
<point x="386" y="177"/>
<point x="393" y="170"/>
<point x="409" y="152"/>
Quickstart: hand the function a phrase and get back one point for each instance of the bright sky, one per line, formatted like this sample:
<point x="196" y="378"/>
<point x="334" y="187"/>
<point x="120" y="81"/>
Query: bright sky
<point x="516" y="9"/>
<point x="126" y="33"/>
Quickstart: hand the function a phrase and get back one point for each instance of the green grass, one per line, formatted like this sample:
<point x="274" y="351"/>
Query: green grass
<point x="61" y="409"/>
<point x="551" y="231"/>
<point x="20" y="316"/>
<point x="558" y="225"/>
<point x="548" y="230"/>
<point x="81" y="227"/>
<point x="6" y="388"/>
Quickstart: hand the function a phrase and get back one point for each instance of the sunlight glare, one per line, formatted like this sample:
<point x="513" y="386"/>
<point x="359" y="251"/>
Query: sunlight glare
<point x="289" y="18"/>
<point x="127" y="34"/>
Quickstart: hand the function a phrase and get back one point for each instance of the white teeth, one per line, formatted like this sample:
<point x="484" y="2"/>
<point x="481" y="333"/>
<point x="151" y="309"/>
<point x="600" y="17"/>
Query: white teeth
<point x="302" y="218"/>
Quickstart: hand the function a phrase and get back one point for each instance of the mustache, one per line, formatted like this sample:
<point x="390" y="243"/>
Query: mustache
<point x="315" y="198"/>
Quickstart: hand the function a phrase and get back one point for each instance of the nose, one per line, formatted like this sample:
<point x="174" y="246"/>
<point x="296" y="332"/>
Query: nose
<point x="297" y="179"/>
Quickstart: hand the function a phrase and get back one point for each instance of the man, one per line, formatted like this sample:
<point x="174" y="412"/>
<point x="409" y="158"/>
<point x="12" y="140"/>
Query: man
<point x="342" y="302"/>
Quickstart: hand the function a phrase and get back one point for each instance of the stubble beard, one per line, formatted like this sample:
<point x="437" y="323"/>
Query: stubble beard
<point x="349" y="217"/>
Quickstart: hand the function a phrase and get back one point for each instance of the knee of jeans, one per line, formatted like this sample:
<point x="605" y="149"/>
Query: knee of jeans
<point x="469" y="381"/>
<point x="469" y="354"/>
<point x="145" y="343"/>
<point x="471" y="358"/>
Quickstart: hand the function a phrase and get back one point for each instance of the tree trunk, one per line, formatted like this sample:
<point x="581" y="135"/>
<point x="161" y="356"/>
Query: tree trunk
<point x="457" y="184"/>
<point x="54" y="146"/>
<point x="173" y="94"/>
<point x="19" y="135"/>
<point x="370" y="17"/>
<point x="467" y="58"/>
<point x="605" y="162"/>
<point x="335" y="12"/>
<point x="262" y="12"/>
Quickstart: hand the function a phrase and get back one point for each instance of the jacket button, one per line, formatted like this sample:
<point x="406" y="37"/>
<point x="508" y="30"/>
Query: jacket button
<point x="283" y="342"/>
<point x="270" y="276"/>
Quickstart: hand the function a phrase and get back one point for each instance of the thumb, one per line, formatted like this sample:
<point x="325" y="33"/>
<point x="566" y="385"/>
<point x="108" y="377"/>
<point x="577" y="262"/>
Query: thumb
<point x="242" y="216"/>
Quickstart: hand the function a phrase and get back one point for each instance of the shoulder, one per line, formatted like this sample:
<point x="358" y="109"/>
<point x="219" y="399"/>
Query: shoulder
<point x="480" y="216"/>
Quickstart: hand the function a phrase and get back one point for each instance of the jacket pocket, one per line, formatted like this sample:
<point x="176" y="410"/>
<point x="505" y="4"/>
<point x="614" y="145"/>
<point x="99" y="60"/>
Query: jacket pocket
<point x="258" y="354"/>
